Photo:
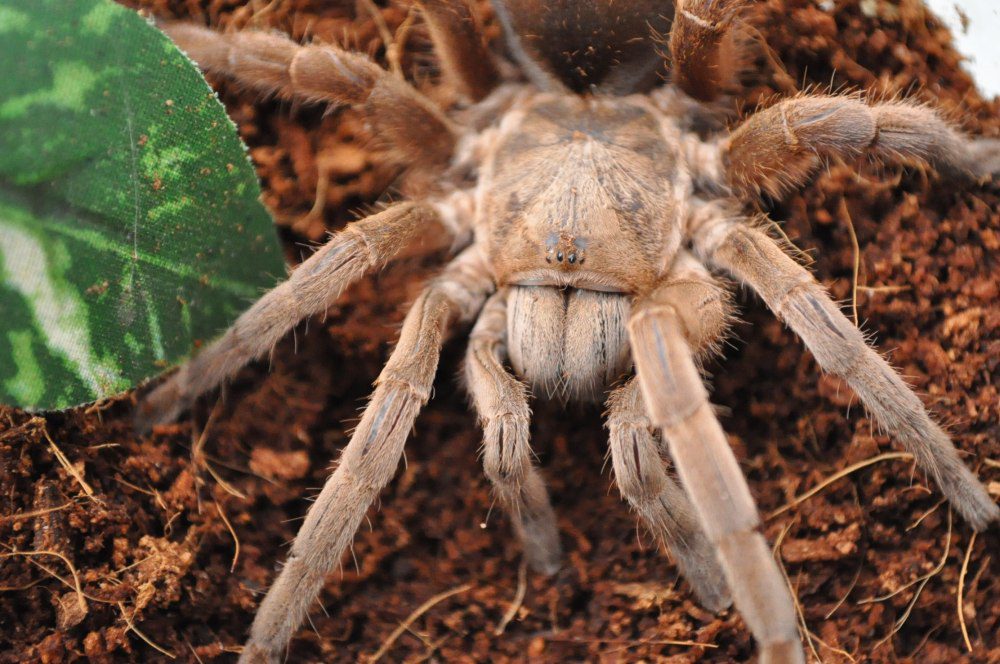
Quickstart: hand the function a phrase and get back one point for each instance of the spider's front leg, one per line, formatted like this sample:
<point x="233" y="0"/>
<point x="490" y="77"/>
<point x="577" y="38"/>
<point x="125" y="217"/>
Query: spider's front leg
<point x="678" y="405"/>
<point x="311" y="289"/>
<point x="502" y="403"/>
<point x="409" y="124"/>
<point x="777" y="149"/>
<point x="702" y="52"/>
<point x="792" y="293"/>
<point x="636" y="454"/>
<point x="370" y="459"/>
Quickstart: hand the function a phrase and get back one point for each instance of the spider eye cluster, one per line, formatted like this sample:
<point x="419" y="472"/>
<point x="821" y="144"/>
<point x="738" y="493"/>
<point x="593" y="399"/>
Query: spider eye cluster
<point x="566" y="250"/>
<point x="602" y="44"/>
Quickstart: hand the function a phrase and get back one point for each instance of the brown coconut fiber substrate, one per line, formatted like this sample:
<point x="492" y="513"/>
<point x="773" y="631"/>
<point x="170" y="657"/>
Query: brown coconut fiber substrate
<point x="178" y="533"/>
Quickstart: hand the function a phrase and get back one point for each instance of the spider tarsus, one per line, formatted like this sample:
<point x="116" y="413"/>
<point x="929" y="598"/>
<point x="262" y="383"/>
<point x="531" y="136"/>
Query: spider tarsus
<point x="788" y="652"/>
<point x="969" y="498"/>
<point x="162" y="406"/>
<point x="254" y="653"/>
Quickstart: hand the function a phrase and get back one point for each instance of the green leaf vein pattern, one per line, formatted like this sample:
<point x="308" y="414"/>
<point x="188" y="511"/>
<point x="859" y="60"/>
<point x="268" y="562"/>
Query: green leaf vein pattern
<point x="131" y="230"/>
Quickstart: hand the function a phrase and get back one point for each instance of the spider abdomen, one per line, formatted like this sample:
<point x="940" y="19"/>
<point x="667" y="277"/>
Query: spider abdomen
<point x="568" y="343"/>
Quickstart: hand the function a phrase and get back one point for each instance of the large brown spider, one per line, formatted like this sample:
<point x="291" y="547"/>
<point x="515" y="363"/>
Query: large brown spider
<point x="589" y="215"/>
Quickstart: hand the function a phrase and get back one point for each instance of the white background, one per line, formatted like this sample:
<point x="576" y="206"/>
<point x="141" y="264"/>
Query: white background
<point x="980" y="42"/>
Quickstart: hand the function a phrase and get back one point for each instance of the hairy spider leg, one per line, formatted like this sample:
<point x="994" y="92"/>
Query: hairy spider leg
<point x="501" y="401"/>
<point x="777" y="149"/>
<point x="702" y="46"/>
<point x="678" y="405"/>
<point x="795" y="296"/>
<point x="410" y="128"/>
<point x="371" y="457"/>
<point x="459" y="46"/>
<point x="311" y="289"/>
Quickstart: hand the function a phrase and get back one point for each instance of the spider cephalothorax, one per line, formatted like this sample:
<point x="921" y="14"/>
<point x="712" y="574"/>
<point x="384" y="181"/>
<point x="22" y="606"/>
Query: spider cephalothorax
<point x="588" y="222"/>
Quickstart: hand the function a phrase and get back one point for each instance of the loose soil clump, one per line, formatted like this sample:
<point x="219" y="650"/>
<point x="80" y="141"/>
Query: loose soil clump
<point x="121" y="548"/>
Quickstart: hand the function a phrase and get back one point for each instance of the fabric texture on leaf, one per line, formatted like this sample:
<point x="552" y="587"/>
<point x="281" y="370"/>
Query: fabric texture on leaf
<point x="131" y="230"/>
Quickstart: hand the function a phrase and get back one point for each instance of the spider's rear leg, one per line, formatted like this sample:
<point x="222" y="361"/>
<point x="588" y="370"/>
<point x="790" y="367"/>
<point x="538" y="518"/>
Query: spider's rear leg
<point x="413" y="128"/>
<point x="502" y="403"/>
<point x="661" y="503"/>
<point x="678" y="405"/>
<point x="311" y="289"/>
<point x="702" y="49"/>
<point x="792" y="293"/>
<point x="459" y="45"/>
<point x="370" y="459"/>
<point x="777" y="149"/>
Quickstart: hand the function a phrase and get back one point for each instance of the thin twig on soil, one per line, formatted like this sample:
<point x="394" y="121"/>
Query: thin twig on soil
<point x="236" y="540"/>
<point x="149" y="492"/>
<point x="850" y="589"/>
<point x="410" y="619"/>
<point x="780" y="74"/>
<point x="33" y="513"/>
<point x="53" y="574"/>
<point x="64" y="462"/>
<point x="919" y="579"/>
<point x="837" y="476"/>
<point x="522" y="587"/>
<point x="845" y="213"/>
<point x="394" y="53"/>
<point x="631" y="643"/>
<point x="884" y="289"/>
<point x="322" y="190"/>
<point x="386" y="35"/>
<point x="112" y="576"/>
<point x="81" y="598"/>
<point x="920" y="582"/>
<point x="139" y="633"/>
<point x="194" y="652"/>
<point x="926" y="514"/>
<point x="199" y="459"/>
<point x="911" y="656"/>
<point x="17" y="589"/>
<point x="961" y="589"/>
<point x="432" y="648"/>
<point x="810" y="635"/>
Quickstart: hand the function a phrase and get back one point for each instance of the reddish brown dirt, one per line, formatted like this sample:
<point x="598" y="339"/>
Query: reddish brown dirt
<point x="152" y="547"/>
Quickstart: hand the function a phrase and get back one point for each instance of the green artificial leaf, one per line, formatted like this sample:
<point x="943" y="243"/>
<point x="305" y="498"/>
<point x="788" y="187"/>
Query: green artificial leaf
<point x="131" y="229"/>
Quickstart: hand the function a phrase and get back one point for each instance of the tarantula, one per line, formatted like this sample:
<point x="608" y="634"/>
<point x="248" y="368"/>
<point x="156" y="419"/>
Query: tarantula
<point x="588" y="217"/>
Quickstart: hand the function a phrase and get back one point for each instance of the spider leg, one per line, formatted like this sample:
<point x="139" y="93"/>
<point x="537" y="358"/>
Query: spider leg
<point x="678" y="405"/>
<point x="370" y="459"/>
<point x="458" y="43"/>
<point x="704" y="309"/>
<point x="701" y="46"/>
<point x="415" y="130"/>
<point x="792" y="293"/>
<point x="502" y="403"/>
<point x="310" y="289"/>
<point x="777" y="149"/>
<point x="660" y="502"/>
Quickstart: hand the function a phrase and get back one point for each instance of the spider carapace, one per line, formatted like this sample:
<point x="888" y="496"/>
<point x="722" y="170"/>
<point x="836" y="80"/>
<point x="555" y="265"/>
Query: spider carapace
<point x="582" y="200"/>
<point x="584" y="192"/>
